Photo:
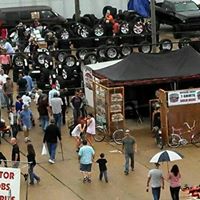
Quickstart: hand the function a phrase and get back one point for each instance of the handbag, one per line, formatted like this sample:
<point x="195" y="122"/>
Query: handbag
<point x="44" y="150"/>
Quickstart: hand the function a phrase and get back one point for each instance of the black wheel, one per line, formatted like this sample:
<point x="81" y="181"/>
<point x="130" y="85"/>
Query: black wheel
<point x="196" y="140"/>
<point x="174" y="140"/>
<point x="166" y="45"/>
<point x="81" y="53"/>
<point x="145" y="47"/>
<point x="126" y="50"/>
<point x="100" y="134"/>
<point x="112" y="53"/>
<point x="125" y="28"/>
<point x="99" y="30"/>
<point x="70" y="60"/>
<point x="118" y="135"/>
<point x="61" y="56"/>
<point x="90" y="58"/>
<point x="138" y="28"/>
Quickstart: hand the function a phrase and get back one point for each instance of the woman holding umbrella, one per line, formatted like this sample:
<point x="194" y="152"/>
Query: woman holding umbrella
<point x="174" y="177"/>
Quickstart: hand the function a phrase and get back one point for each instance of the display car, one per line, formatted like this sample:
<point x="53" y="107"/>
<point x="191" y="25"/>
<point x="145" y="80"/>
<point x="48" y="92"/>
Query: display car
<point x="183" y="15"/>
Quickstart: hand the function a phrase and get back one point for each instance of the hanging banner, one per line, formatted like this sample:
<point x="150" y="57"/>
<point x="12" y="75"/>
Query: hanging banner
<point x="9" y="183"/>
<point x="183" y="97"/>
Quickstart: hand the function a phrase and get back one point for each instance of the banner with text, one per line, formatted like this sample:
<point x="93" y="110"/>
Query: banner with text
<point x="183" y="97"/>
<point x="9" y="183"/>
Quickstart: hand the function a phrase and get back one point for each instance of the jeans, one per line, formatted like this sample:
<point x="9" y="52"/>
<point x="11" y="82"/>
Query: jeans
<point x="52" y="150"/>
<point x="103" y="174"/>
<point x="32" y="174"/>
<point x="156" y="193"/>
<point x="58" y="119"/>
<point x="9" y="100"/>
<point x="129" y="156"/>
<point x="44" y="120"/>
<point x="14" y="129"/>
<point x="76" y="115"/>
<point x="175" y="193"/>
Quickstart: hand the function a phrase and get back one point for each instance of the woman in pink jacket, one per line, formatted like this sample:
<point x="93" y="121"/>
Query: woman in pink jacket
<point x="174" y="178"/>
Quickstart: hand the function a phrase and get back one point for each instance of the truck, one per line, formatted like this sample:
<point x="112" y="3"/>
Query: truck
<point x="182" y="15"/>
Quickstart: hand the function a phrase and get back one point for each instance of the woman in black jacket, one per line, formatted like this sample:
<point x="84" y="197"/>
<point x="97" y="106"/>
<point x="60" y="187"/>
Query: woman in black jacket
<point x="32" y="163"/>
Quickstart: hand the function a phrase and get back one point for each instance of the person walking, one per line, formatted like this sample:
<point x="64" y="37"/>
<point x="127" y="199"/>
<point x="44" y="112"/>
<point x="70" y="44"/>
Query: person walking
<point x="174" y="178"/>
<point x="8" y="92"/>
<point x="32" y="163"/>
<point x="22" y="85"/>
<point x="91" y="128"/>
<point x="76" y="104"/>
<point x="129" y="147"/>
<point x="56" y="108"/>
<point x="76" y="133"/>
<point x="5" y="61"/>
<point x="86" y="156"/>
<point x="13" y="118"/>
<point x="155" y="176"/>
<point x="28" y="78"/>
<point x="102" y="167"/>
<point x="15" y="157"/>
<point x="51" y="136"/>
<point x="43" y="109"/>
<point x="26" y="118"/>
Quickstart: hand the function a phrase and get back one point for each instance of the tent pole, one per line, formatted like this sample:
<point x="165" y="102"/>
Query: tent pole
<point x="153" y="26"/>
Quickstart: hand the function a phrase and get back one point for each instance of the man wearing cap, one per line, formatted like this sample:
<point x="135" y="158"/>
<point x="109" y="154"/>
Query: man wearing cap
<point x="129" y="147"/>
<point x="155" y="176"/>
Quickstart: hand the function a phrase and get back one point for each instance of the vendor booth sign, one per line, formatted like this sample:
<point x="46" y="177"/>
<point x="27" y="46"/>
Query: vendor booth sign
<point x="183" y="97"/>
<point x="9" y="184"/>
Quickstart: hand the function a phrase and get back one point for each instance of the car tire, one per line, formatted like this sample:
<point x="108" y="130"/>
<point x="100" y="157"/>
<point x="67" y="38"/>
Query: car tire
<point x="184" y="42"/>
<point x="126" y="50"/>
<point x="165" y="45"/>
<point x="145" y="47"/>
<point x="90" y="58"/>
<point x="112" y="52"/>
<point x="81" y="53"/>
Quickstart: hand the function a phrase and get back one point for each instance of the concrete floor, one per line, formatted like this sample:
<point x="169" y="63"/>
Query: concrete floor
<point x="63" y="180"/>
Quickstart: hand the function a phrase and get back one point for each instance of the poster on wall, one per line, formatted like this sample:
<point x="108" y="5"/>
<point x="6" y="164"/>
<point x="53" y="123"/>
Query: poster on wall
<point x="9" y="183"/>
<point x="184" y="97"/>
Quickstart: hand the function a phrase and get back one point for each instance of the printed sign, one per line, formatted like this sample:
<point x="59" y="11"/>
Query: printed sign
<point x="9" y="183"/>
<point x="183" y="97"/>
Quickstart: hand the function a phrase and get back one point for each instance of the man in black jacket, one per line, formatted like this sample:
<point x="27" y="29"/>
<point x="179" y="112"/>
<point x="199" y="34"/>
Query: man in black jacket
<point x="52" y="134"/>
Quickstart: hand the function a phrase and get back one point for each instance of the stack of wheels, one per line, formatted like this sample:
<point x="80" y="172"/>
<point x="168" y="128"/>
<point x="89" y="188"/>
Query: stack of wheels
<point x="20" y="64"/>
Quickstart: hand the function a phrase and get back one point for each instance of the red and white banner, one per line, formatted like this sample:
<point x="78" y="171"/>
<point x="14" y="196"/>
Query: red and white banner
<point x="9" y="183"/>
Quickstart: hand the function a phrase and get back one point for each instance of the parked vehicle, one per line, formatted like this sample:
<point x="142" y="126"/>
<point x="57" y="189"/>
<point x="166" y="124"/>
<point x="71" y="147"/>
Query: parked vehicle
<point x="183" y="15"/>
<point x="26" y="14"/>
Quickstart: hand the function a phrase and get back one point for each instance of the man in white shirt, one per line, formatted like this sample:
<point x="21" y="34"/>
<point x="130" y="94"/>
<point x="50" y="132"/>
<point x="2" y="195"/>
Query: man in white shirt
<point x="52" y="92"/>
<point x="56" y="109"/>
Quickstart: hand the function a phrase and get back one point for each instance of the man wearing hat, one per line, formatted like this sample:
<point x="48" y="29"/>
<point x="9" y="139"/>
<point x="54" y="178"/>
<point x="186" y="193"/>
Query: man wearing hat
<point x="129" y="147"/>
<point x="155" y="177"/>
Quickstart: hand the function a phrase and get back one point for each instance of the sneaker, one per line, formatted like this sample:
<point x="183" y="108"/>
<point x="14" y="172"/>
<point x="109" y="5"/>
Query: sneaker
<point x="51" y="161"/>
<point x="106" y="181"/>
<point x="85" y="180"/>
<point x="89" y="180"/>
<point x="38" y="180"/>
<point x="126" y="173"/>
<point x="31" y="183"/>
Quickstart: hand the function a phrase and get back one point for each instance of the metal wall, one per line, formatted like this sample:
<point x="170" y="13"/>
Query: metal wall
<point x="66" y="7"/>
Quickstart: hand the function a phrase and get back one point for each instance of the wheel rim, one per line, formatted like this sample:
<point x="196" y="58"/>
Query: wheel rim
<point x="102" y="53"/>
<point x="174" y="140"/>
<point x="166" y="45"/>
<point x="41" y="59"/>
<point x="64" y="74"/>
<point x="84" y="32"/>
<point x="19" y="62"/>
<point x="124" y="28"/>
<point x="146" y="49"/>
<point x="138" y="28"/>
<point x="65" y="35"/>
<point x="118" y="136"/>
<point x="112" y="53"/>
<point x="126" y="50"/>
<point x="82" y="54"/>
<point x="70" y="61"/>
<point x="61" y="57"/>
<point x="99" y="31"/>
<point x="92" y="59"/>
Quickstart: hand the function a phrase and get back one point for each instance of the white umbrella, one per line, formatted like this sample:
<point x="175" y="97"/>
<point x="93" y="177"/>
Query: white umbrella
<point x="166" y="156"/>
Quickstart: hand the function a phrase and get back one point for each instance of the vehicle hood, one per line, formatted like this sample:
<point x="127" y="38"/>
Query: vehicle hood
<point x="190" y="14"/>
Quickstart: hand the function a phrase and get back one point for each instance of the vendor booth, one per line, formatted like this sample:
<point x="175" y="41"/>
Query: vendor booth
<point x="144" y="74"/>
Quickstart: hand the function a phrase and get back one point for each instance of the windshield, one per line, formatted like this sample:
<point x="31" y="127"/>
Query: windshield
<point x="186" y="6"/>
